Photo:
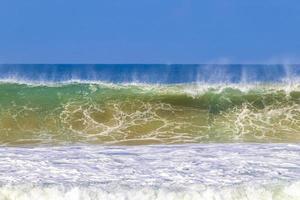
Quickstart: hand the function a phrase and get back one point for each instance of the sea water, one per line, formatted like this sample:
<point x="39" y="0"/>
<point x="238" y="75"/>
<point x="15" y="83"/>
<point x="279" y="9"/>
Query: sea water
<point x="149" y="132"/>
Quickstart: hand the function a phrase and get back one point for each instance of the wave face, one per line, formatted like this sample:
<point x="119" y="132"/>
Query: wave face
<point x="211" y="171"/>
<point x="147" y="114"/>
<point x="232" y="103"/>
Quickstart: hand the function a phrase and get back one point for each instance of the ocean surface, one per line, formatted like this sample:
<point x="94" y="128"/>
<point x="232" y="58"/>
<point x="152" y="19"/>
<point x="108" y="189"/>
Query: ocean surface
<point x="150" y="132"/>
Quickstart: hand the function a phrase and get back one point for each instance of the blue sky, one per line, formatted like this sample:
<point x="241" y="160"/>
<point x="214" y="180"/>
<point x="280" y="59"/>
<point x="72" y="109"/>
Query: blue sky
<point x="149" y="31"/>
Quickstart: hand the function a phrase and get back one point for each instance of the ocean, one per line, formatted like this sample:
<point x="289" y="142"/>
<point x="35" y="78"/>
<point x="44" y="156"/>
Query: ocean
<point x="149" y="131"/>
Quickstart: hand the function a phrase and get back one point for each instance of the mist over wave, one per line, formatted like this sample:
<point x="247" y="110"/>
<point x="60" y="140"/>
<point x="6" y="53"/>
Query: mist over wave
<point x="143" y="73"/>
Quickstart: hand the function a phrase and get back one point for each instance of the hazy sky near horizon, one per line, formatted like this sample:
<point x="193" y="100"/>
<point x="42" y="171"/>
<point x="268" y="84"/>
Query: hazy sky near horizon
<point x="149" y="31"/>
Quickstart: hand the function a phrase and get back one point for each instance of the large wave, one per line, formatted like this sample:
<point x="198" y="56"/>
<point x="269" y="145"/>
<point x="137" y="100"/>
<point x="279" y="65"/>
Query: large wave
<point x="148" y="113"/>
<point x="149" y="104"/>
<point x="51" y="117"/>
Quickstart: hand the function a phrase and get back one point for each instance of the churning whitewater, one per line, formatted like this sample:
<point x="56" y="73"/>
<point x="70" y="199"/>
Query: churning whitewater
<point x="211" y="171"/>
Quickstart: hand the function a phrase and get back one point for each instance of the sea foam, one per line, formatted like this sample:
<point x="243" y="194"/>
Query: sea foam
<point x="207" y="171"/>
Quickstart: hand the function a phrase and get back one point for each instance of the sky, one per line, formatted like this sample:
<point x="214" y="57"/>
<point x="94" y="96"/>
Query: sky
<point x="149" y="31"/>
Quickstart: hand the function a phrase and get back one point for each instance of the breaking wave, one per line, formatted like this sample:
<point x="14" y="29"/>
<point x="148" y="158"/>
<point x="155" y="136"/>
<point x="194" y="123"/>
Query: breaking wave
<point x="148" y="113"/>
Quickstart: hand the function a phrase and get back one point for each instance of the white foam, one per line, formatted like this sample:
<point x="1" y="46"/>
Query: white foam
<point x="244" y="192"/>
<point x="210" y="171"/>
<point x="193" y="89"/>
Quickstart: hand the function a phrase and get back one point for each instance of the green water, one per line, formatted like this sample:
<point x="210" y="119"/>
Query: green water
<point x="148" y="114"/>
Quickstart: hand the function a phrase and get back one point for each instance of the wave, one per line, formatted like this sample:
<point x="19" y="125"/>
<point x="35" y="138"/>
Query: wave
<point x="110" y="113"/>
